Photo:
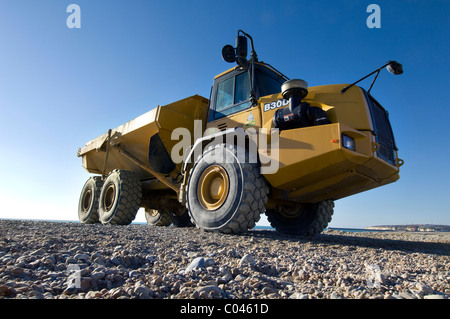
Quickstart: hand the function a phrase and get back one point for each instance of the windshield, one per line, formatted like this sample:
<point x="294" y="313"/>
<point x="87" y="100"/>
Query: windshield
<point x="269" y="82"/>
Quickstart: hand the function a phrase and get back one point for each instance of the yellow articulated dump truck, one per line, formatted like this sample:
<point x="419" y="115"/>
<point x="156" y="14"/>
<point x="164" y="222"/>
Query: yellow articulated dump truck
<point x="262" y="143"/>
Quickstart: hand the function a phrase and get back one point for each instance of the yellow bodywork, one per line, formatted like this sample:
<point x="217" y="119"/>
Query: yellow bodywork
<point x="132" y="139"/>
<point x="313" y="165"/>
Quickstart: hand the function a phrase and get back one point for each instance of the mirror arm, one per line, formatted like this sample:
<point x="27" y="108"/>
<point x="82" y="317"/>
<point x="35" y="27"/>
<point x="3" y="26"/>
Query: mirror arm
<point x="377" y="70"/>
<point x="252" y="82"/>
<point x="373" y="82"/>
<point x="253" y="53"/>
<point x="253" y="59"/>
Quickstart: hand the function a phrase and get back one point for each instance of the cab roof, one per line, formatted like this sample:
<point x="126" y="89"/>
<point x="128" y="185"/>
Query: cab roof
<point x="237" y="67"/>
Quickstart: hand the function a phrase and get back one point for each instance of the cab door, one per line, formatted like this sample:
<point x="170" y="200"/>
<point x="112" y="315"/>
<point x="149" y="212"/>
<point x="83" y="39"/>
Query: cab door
<point x="230" y="104"/>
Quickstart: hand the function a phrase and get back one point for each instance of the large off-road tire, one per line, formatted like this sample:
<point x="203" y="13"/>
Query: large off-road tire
<point x="157" y="217"/>
<point x="183" y="220"/>
<point x="88" y="203"/>
<point x="120" y="198"/>
<point x="226" y="195"/>
<point x="301" y="219"/>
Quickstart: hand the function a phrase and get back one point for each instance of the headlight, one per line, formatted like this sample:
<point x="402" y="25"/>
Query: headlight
<point x="348" y="142"/>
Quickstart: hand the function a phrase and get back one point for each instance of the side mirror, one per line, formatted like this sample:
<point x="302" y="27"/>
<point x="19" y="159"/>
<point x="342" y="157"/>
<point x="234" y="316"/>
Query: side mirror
<point x="241" y="50"/>
<point x="394" y="67"/>
<point x="241" y="46"/>
<point x="229" y="54"/>
<point x="239" y="53"/>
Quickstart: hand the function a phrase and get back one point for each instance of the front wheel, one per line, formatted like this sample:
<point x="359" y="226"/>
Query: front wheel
<point x="120" y="198"/>
<point x="227" y="195"/>
<point x="301" y="219"/>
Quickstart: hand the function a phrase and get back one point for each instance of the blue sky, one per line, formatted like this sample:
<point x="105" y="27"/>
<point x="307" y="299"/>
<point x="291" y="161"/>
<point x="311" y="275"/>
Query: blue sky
<point x="61" y="87"/>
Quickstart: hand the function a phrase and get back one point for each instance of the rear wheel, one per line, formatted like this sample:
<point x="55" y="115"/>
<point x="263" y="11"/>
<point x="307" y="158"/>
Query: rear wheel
<point x="120" y="198"/>
<point x="226" y="195"/>
<point x="182" y="220"/>
<point x="157" y="217"/>
<point x="301" y="219"/>
<point x="88" y="203"/>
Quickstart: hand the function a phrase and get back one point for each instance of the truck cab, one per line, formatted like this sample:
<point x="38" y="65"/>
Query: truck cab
<point x="230" y="103"/>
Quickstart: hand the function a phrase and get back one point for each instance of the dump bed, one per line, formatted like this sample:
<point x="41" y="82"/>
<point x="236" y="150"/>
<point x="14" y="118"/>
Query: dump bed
<point x="133" y="138"/>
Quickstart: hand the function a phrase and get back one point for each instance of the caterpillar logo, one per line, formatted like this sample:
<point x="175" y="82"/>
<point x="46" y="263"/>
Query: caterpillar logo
<point x="276" y="104"/>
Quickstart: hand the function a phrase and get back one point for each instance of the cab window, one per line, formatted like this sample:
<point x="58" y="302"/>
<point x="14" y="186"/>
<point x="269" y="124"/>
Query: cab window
<point x="242" y="88"/>
<point x="225" y="91"/>
<point x="232" y="96"/>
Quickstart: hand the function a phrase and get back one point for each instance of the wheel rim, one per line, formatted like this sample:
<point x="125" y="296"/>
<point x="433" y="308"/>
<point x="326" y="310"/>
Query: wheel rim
<point x="108" y="199"/>
<point x="87" y="200"/>
<point x="152" y="212"/>
<point x="213" y="187"/>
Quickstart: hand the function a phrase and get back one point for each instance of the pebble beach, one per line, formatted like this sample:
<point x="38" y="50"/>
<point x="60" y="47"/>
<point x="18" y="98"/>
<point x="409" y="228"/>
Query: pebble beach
<point x="57" y="260"/>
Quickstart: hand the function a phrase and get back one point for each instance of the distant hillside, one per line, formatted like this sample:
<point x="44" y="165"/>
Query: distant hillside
<point x="421" y="227"/>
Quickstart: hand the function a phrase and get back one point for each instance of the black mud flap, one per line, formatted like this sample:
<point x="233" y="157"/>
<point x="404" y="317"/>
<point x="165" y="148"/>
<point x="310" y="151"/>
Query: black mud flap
<point x="158" y="156"/>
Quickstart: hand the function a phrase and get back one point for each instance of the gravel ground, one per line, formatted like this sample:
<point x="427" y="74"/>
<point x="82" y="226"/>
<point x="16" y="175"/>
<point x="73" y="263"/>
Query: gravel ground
<point x="53" y="260"/>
